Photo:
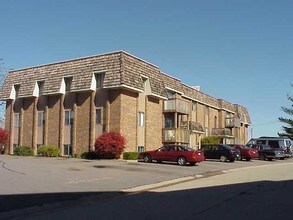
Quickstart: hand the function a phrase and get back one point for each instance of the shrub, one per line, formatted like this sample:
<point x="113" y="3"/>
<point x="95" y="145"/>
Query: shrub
<point x="110" y="145"/>
<point x="90" y="155"/>
<point x="48" y="151"/>
<point x="211" y="140"/>
<point x="23" y="151"/>
<point x="130" y="155"/>
<point x="4" y="136"/>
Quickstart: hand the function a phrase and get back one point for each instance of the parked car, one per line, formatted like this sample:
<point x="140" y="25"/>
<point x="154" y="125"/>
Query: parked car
<point x="220" y="151"/>
<point x="283" y="143"/>
<point x="267" y="152"/>
<point x="246" y="152"/>
<point x="174" y="153"/>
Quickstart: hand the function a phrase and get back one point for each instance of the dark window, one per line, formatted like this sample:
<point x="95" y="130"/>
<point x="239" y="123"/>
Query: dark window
<point x="140" y="149"/>
<point x="69" y="115"/>
<point x="40" y="119"/>
<point x="98" y="116"/>
<point x="99" y="80"/>
<point x="68" y="82"/>
<point x="169" y="121"/>
<point x="67" y="150"/>
<point x="41" y="87"/>
<point x="16" y="88"/>
<point x="17" y="120"/>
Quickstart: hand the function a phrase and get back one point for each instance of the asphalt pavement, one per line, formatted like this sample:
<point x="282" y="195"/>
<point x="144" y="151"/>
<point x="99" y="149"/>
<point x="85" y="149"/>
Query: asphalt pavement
<point x="32" y="185"/>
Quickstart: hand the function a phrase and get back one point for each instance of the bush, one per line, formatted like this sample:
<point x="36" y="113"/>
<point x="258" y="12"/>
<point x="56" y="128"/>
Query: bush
<point x="23" y="151"/>
<point x="130" y="155"/>
<point x="110" y="145"/>
<point x="48" y="151"/>
<point x="211" y="140"/>
<point x="90" y="155"/>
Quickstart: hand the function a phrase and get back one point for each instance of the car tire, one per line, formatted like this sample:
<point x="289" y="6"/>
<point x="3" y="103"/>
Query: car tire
<point x="262" y="157"/>
<point x="147" y="158"/>
<point x="270" y="159"/>
<point x="282" y="158"/>
<point x="181" y="161"/>
<point x="223" y="158"/>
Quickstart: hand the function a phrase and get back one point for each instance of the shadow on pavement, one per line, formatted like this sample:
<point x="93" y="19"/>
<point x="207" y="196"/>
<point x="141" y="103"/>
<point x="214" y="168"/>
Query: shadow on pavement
<point x="254" y="200"/>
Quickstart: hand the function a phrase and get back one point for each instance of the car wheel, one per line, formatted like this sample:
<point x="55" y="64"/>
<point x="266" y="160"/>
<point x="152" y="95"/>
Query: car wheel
<point x="147" y="158"/>
<point x="181" y="161"/>
<point x="223" y="158"/>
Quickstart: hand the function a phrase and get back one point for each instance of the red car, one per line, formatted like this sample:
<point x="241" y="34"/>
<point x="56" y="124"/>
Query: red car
<point x="174" y="153"/>
<point x="246" y="152"/>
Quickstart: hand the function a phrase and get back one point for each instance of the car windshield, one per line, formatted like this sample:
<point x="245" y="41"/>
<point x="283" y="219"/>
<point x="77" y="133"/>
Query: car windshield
<point x="185" y="148"/>
<point x="229" y="147"/>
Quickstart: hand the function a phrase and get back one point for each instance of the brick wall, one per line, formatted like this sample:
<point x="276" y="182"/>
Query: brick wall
<point x="83" y="122"/>
<point x="154" y="123"/>
<point x="53" y="120"/>
<point x="27" y="126"/>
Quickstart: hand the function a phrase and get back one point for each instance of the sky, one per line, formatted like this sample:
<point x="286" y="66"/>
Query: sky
<point x="237" y="50"/>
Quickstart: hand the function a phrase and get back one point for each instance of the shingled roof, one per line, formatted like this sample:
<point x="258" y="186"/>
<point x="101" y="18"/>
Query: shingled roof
<point x="121" y="70"/>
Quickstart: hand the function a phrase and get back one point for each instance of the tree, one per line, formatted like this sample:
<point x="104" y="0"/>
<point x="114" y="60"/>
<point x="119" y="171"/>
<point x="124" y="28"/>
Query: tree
<point x="211" y="140"/>
<point x="2" y="103"/>
<point x="288" y="127"/>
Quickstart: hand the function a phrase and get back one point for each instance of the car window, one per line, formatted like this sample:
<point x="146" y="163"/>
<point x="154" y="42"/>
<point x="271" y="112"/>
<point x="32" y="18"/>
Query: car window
<point x="261" y="141"/>
<point x="274" y="143"/>
<point x="172" y="148"/>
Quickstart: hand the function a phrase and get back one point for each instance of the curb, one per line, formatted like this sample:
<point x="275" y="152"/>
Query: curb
<point x="153" y="186"/>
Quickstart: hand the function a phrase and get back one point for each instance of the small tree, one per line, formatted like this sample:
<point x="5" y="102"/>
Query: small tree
<point x="211" y="140"/>
<point x="4" y="136"/>
<point x="110" y="145"/>
<point x="288" y="129"/>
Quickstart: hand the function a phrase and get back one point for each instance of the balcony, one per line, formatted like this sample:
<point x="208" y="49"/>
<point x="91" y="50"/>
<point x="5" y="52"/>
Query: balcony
<point x="176" y="105"/>
<point x="176" y="135"/>
<point x="232" y="122"/>
<point x="193" y="126"/>
<point x="224" y="132"/>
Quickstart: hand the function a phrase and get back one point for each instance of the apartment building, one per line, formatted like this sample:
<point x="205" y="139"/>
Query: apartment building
<point x="69" y="104"/>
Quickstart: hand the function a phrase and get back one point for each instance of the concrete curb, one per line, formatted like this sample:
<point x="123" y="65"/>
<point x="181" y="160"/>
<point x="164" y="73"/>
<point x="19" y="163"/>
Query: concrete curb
<point x="153" y="186"/>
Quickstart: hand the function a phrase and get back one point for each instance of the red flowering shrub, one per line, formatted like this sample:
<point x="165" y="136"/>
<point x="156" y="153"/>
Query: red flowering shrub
<point x="110" y="145"/>
<point x="4" y="136"/>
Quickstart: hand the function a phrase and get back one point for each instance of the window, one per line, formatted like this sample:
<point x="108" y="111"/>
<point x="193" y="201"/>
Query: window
<point x="169" y="121"/>
<point x="16" y="88"/>
<point x="170" y="94"/>
<point x="99" y="80"/>
<point x="40" y="119"/>
<point x="193" y="106"/>
<point x="215" y="122"/>
<point x="68" y="82"/>
<point x="141" y="119"/>
<point x="16" y="120"/>
<point x="98" y="116"/>
<point x="67" y="150"/>
<point x="41" y="87"/>
<point x="140" y="149"/>
<point x="69" y="115"/>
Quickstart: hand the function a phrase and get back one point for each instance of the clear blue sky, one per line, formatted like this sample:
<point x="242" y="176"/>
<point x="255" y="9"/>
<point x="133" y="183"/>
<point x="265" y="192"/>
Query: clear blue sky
<point x="241" y="51"/>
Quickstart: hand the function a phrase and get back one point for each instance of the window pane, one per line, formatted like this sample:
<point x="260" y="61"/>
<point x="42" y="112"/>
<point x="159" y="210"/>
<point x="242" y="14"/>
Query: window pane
<point x="16" y="120"/>
<point x="40" y="119"/>
<point x="141" y="119"/>
<point x="99" y="80"/>
<point x="67" y="118"/>
<point x="98" y="116"/>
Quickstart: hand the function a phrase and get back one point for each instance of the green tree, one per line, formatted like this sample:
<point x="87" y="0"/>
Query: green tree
<point x="288" y="127"/>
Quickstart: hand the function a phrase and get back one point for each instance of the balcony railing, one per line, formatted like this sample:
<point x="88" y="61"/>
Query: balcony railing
<point x="176" y="135"/>
<point x="221" y="132"/>
<point x="232" y="122"/>
<point x="193" y="126"/>
<point x="176" y="105"/>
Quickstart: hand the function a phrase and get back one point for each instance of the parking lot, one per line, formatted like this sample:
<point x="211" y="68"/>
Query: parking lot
<point x="29" y="181"/>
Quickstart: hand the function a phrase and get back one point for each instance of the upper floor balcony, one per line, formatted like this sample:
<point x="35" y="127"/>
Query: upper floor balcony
<point x="192" y="126"/>
<point x="224" y="132"/>
<point x="176" y="105"/>
<point x="176" y="135"/>
<point x="232" y="122"/>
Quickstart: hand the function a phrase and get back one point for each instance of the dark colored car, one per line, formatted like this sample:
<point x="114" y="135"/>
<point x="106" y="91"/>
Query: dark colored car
<point x="266" y="152"/>
<point x="220" y="151"/>
<point x="173" y="153"/>
<point x="246" y="152"/>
